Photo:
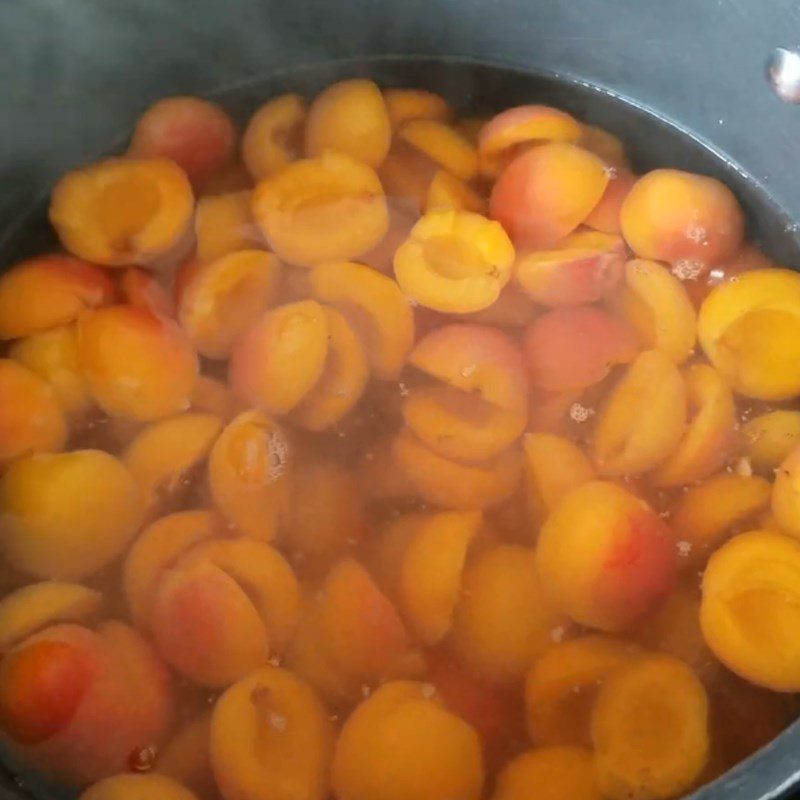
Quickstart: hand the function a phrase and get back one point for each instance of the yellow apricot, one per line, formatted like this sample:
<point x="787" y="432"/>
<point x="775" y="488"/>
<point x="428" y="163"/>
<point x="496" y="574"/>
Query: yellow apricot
<point x="769" y="438"/>
<point x="448" y="192"/>
<point x="138" y="787"/>
<point x="442" y="144"/>
<point x="385" y="551"/>
<point x="785" y="494"/>
<point x="407" y="104"/>
<point x="274" y="135"/>
<point x="643" y="419"/>
<point x="52" y="527"/>
<point x="223" y="224"/>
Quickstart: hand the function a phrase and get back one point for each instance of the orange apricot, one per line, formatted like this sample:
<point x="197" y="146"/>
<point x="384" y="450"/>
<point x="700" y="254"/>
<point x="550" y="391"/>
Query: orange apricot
<point x="604" y="556"/>
<point x="503" y="620"/>
<point x="545" y="193"/>
<point x="749" y="330"/>
<point x="271" y="739"/>
<point x="711" y="433"/>
<point x="281" y="357"/>
<point x="48" y="291"/>
<point x="512" y="309"/>
<point x="450" y="484"/>
<point x="643" y="419"/>
<point x="186" y="757"/>
<point x="350" y="117"/>
<point x="135" y="364"/>
<point x="224" y="224"/>
<point x="140" y="288"/>
<point x="583" y="268"/>
<point x="51" y="529"/>
<point x="454" y="261"/>
<point x="31" y="420"/>
<point x="406" y="175"/>
<point x="226" y="297"/>
<point x="450" y="193"/>
<point x="650" y="730"/>
<point x="163" y="456"/>
<point x="571" y="348"/>
<point x="401" y="743"/>
<point x="384" y="552"/>
<point x="527" y="124"/>
<point x="549" y="773"/>
<point x="211" y="396"/>
<point x="603" y="144"/>
<point x="248" y="473"/>
<point x="404" y="105"/>
<point x="749" y="608"/>
<point x="443" y="145"/>
<point x="321" y="209"/>
<point x="196" y="134"/>
<point x="769" y="438"/>
<point x="138" y="787"/>
<point x="274" y="135"/>
<point x="123" y="211"/>
<point x="670" y="215"/>
<point x="605" y="216"/>
<point x="375" y="306"/>
<point x="343" y="380"/>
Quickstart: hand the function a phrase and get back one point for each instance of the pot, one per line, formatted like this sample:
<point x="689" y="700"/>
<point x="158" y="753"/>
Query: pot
<point x="682" y="83"/>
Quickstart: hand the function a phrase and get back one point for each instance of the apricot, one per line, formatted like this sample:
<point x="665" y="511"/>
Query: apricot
<point x="186" y="757"/>
<point x="401" y="743"/>
<point x="503" y="620"/>
<point x="650" y="730"/>
<point x="280" y="358"/>
<point x="583" y="268"/>
<point x="135" y="364"/>
<point x="553" y="467"/>
<point x="431" y="572"/>
<point x="562" y="685"/>
<point x="545" y="193"/>
<point x="226" y="297"/>
<point x="224" y="224"/>
<point x="248" y="473"/>
<point x="749" y="330"/>
<point x="571" y="348"/>
<point x="163" y="456"/>
<point x="375" y="306"/>
<point x="47" y="291"/>
<point x="530" y="123"/>
<point x="706" y="514"/>
<point x="384" y="552"/>
<point x="769" y="438"/>
<point x="271" y="739"/>
<point x="343" y="380"/>
<point x="549" y="773"/>
<point x="350" y="117"/>
<point x="449" y="484"/>
<point x="321" y="209"/>
<point x="406" y="175"/>
<point x="51" y="528"/>
<point x="605" y="216"/>
<point x="138" y="787"/>
<point x="123" y="211"/>
<point x="443" y="145"/>
<point x="454" y="261"/>
<point x="450" y="193"/>
<point x="749" y="608"/>
<point x="140" y="288"/>
<point x="604" y="556"/>
<point x="32" y="420"/>
<point x="404" y="105"/>
<point x="274" y="135"/>
<point x="644" y="418"/>
<point x="512" y="309"/>
<point x="711" y="433"/>
<point x="603" y="144"/>
<point x="211" y="396"/>
<point x="670" y="215"/>
<point x="785" y="493"/>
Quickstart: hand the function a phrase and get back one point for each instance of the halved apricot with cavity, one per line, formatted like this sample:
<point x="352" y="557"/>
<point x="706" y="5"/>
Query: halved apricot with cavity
<point x="454" y="261"/>
<point x="123" y="211"/>
<point x="223" y="224"/>
<point x="320" y="209"/>
<point x="545" y="193"/>
<point x="530" y="123"/>
<point x="404" y="105"/>
<point x="134" y="787"/>
<point x="605" y="216"/>
<point x="142" y="289"/>
<point x="274" y="135"/>
<point x="769" y="438"/>
<point x="450" y="193"/>
<point x="442" y="144"/>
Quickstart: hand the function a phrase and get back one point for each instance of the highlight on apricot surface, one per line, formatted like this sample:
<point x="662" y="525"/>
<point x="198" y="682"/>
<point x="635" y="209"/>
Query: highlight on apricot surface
<point x="123" y="211"/>
<point x="138" y="787"/>
<point x="248" y="473"/>
<point x="223" y="224"/>
<point x="454" y="261"/>
<point x="443" y="145"/>
<point x="401" y="743"/>
<point x="545" y="193"/>
<point x="605" y="216"/>
<point x="32" y="420"/>
<point x="571" y="348"/>
<point x="226" y="297"/>
<point x="271" y="739"/>
<point x="769" y="438"/>
<point x="643" y="419"/>
<point x="650" y="730"/>
<point x="135" y="364"/>
<point x="407" y="104"/>
<point x="51" y="528"/>
<point x="374" y="306"/>
<point x="529" y="123"/>
<point x="670" y="215"/>
<point x="321" y="209"/>
<point x="750" y="328"/>
<point x="604" y="556"/>
<point x="445" y="191"/>
<point x="503" y="620"/>
<point x="47" y="291"/>
<point x="350" y="117"/>
<point x="274" y="135"/>
<point x="281" y="357"/>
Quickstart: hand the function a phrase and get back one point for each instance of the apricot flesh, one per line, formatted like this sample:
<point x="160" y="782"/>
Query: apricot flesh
<point x="273" y="136"/>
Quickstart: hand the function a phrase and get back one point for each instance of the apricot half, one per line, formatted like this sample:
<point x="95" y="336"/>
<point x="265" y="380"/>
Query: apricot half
<point x="443" y="145"/>
<point x="407" y="104"/>
<point x="223" y="224"/>
<point x="769" y="438"/>
<point x="527" y="124"/>
<point x="138" y="787"/>
<point x="274" y="135"/>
